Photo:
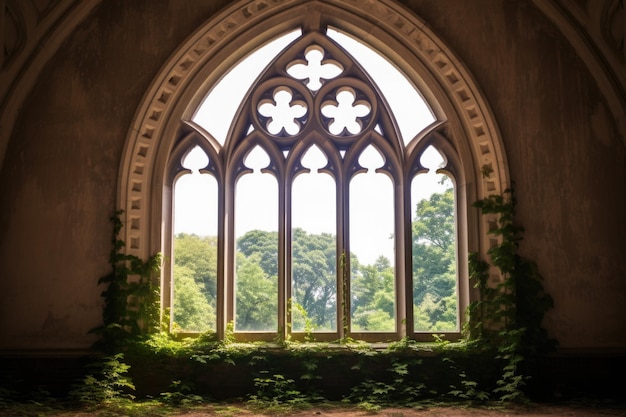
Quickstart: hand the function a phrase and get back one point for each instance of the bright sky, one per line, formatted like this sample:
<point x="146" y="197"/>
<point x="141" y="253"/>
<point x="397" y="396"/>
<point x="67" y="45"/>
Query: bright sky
<point x="313" y="194"/>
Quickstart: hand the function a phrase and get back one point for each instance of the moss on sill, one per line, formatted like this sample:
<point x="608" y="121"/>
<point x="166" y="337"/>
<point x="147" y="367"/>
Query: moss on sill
<point x="335" y="371"/>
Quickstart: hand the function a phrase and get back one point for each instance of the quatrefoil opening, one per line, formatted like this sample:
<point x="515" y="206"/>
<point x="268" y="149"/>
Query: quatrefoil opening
<point x="315" y="69"/>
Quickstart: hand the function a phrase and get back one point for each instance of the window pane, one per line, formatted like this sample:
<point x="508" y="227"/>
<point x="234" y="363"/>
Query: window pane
<point x="195" y="247"/>
<point x="372" y="289"/>
<point x="285" y="111"/>
<point x="409" y="108"/>
<point x="435" y="301"/>
<point x="256" y="231"/>
<point x="218" y="108"/>
<point x="314" y="247"/>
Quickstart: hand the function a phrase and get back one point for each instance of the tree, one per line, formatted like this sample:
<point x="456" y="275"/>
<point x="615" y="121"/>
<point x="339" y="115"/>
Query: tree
<point x="195" y="282"/>
<point x="434" y="263"/>
<point x="199" y="255"/>
<point x="263" y="243"/>
<point x="314" y="280"/>
<point x="373" y="296"/>
<point x="314" y="277"/>
<point x="257" y="295"/>
<point x="192" y="311"/>
<point x="313" y="267"/>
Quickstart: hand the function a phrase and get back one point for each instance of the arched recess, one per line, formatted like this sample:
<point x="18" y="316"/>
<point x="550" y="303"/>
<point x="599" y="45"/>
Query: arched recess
<point x="464" y="120"/>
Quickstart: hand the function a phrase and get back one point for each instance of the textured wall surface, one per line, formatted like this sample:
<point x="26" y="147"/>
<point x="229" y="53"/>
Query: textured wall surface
<point x="565" y="156"/>
<point x="60" y="172"/>
<point x="59" y="180"/>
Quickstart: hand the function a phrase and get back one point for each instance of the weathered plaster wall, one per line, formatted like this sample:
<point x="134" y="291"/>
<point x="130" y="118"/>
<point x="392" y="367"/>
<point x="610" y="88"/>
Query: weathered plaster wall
<point x="59" y="180"/>
<point x="565" y="156"/>
<point x="59" y="177"/>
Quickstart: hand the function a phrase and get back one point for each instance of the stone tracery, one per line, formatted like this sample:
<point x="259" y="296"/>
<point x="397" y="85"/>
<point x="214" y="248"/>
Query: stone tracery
<point x="172" y="86"/>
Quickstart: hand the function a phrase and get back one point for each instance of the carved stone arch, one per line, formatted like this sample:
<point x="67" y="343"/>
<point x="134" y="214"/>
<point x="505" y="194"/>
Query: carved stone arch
<point x="293" y="160"/>
<point x="187" y="142"/>
<point x="219" y="44"/>
<point x="392" y="163"/>
<point x="326" y="147"/>
<point x="240" y="153"/>
<point x="434" y="136"/>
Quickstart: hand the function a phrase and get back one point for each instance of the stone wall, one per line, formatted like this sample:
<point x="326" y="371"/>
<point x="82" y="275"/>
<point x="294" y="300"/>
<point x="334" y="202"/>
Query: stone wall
<point x="59" y="176"/>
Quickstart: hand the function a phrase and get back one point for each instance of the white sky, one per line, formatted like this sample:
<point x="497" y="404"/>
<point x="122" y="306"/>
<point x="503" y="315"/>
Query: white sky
<point x="313" y="194"/>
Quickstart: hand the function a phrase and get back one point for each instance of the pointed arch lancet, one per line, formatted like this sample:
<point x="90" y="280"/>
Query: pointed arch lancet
<point x="464" y="126"/>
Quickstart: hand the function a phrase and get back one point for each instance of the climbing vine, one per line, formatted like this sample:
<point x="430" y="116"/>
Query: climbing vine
<point x="510" y="311"/>
<point x="505" y="323"/>
<point x="131" y="297"/>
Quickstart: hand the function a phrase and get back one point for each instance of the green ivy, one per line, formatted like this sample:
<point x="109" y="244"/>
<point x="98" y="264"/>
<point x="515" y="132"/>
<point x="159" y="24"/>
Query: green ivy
<point x="509" y="313"/>
<point x="106" y="382"/>
<point x="131" y="298"/>
<point x="505" y="322"/>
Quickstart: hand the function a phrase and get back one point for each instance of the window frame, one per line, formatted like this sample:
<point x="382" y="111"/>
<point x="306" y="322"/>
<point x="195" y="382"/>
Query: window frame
<point x="466" y="130"/>
<point x="230" y="161"/>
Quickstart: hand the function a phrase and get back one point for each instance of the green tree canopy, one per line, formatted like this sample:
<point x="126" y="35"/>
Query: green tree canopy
<point x="256" y="307"/>
<point x="192" y="311"/>
<point x="195" y="282"/>
<point x="263" y="243"/>
<point x="434" y="263"/>
<point x="314" y="277"/>
<point x="372" y="296"/>
<point x="199" y="255"/>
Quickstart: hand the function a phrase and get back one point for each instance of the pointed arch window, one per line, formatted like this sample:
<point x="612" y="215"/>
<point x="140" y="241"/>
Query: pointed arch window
<point x="320" y="195"/>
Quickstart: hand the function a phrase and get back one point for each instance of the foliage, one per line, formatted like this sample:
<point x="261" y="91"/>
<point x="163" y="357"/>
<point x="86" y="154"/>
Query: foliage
<point x="272" y="390"/>
<point x="314" y="277"/>
<point x="182" y="394"/>
<point x="343" y="268"/>
<point x="34" y="403"/>
<point x="518" y="302"/>
<point x="506" y="319"/>
<point x="510" y="311"/>
<point x="465" y="388"/>
<point x="131" y="299"/>
<point x="301" y="320"/>
<point x="434" y="263"/>
<point x="106" y="383"/>
<point x="193" y="312"/>
<point x="372" y="296"/>
<point x="313" y="298"/>
<point x="256" y="299"/>
<point x="399" y="385"/>
<point x="195" y="282"/>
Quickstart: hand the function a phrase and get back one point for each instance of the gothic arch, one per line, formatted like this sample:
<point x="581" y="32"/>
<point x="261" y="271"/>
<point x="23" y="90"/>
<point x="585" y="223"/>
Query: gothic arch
<point x="464" y="118"/>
